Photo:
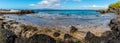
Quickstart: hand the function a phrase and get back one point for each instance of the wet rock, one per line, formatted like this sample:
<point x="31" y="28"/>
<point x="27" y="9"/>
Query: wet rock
<point x="73" y="29"/>
<point x="91" y="38"/>
<point x="102" y="11"/>
<point x="7" y="36"/>
<point x="56" y="34"/>
<point x="70" y="39"/>
<point x="41" y="38"/>
<point x="67" y="36"/>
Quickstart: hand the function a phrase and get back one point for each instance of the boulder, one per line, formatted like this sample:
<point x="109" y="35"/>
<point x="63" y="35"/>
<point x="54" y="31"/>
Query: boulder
<point x="73" y="29"/>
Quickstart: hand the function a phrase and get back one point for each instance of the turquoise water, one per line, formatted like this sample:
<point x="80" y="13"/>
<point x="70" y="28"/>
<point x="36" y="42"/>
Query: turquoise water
<point x="69" y="12"/>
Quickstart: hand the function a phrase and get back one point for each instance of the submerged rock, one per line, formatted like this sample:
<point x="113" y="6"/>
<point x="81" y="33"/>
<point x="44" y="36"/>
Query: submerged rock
<point x="41" y="38"/>
<point x="73" y="29"/>
<point x="56" y="34"/>
<point x="70" y="39"/>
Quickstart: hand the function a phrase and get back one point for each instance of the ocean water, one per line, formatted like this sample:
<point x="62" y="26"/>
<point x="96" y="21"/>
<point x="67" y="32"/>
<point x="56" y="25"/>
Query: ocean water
<point x="69" y="12"/>
<point x="63" y="17"/>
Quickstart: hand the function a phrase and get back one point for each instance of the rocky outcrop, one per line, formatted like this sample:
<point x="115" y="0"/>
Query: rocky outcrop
<point x="16" y="11"/>
<point x="102" y="11"/>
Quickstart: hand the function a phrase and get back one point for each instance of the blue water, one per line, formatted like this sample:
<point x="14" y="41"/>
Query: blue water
<point x="69" y="12"/>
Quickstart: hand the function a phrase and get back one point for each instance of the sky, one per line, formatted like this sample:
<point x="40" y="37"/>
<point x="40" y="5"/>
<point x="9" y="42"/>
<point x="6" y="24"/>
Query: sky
<point x="55" y="4"/>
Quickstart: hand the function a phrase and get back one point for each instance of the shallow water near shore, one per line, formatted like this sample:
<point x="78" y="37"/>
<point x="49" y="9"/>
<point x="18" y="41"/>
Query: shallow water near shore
<point x="58" y="20"/>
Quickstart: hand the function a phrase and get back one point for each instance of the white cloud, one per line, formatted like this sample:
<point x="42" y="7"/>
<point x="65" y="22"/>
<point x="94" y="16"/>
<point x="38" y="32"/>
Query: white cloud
<point x="51" y="3"/>
<point x="93" y="7"/>
<point x="57" y="5"/>
<point x="32" y="5"/>
<point x="47" y="4"/>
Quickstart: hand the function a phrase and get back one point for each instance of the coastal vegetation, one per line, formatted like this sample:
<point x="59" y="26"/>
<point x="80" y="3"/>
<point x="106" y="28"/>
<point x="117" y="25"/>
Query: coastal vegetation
<point x="114" y="8"/>
<point x="114" y="5"/>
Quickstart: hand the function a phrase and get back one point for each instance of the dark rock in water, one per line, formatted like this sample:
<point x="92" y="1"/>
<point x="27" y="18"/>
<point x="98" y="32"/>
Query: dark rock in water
<point x="41" y="38"/>
<point x="102" y="11"/>
<point x="70" y="39"/>
<point x="73" y="29"/>
<point x="56" y="34"/>
<point x="7" y="36"/>
<point x="91" y="38"/>
<point x="67" y="36"/>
